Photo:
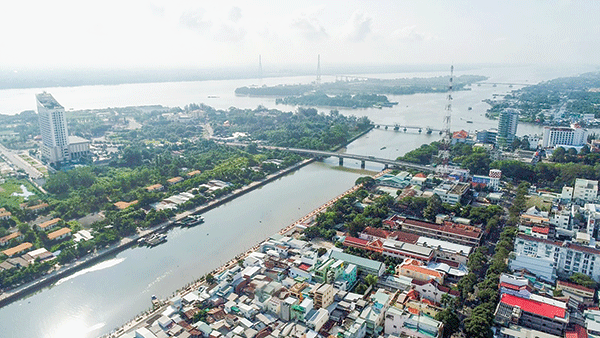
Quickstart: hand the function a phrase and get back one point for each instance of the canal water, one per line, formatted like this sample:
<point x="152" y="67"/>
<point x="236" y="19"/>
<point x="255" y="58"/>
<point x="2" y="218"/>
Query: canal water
<point x="97" y="300"/>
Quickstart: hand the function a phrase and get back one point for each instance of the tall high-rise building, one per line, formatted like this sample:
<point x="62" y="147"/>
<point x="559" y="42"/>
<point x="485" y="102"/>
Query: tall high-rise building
<point x="53" y="127"/>
<point x="507" y="127"/>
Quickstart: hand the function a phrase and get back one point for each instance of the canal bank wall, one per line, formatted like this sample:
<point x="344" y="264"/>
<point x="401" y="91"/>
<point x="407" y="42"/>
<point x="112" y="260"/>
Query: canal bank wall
<point x="27" y="289"/>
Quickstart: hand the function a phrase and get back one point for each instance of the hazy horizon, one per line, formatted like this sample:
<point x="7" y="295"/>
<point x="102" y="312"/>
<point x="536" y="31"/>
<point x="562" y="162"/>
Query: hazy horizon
<point x="184" y="34"/>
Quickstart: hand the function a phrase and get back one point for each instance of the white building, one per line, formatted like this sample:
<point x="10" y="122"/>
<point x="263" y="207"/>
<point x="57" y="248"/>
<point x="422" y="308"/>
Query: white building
<point x="563" y="136"/>
<point x="53" y="127"/>
<point x="567" y="257"/>
<point x="584" y="191"/>
<point x="78" y="147"/>
<point x="451" y="193"/>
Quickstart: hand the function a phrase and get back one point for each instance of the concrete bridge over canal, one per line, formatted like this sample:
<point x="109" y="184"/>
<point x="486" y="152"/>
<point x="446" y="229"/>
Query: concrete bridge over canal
<point x="398" y="127"/>
<point x="341" y="156"/>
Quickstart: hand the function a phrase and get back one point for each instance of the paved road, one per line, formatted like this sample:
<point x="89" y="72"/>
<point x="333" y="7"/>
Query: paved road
<point x="18" y="162"/>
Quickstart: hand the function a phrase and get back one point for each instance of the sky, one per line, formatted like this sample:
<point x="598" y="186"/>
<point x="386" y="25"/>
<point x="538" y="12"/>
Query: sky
<point x="181" y="33"/>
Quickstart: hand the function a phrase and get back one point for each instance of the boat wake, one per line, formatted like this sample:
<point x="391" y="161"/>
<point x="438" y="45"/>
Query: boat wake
<point x="101" y="266"/>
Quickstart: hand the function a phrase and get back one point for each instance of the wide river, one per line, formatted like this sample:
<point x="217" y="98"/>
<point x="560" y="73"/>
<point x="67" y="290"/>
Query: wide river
<point x="96" y="300"/>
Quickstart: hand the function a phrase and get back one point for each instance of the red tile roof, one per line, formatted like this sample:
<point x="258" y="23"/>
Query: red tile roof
<point x="421" y="175"/>
<point x="510" y="286"/>
<point x="541" y="230"/>
<point x="304" y="266"/>
<point x="580" y="332"/>
<point x="375" y="232"/>
<point x="403" y="236"/>
<point x="460" y="134"/>
<point x="535" y="307"/>
<point x="355" y="241"/>
<point x="449" y="227"/>
<point x="575" y="286"/>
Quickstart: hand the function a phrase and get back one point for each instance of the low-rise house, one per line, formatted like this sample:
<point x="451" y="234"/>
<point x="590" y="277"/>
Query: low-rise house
<point x="59" y="234"/>
<point x="4" y="241"/>
<point x="433" y="290"/>
<point x="154" y="187"/>
<point x="124" y="205"/>
<point x="582" y="296"/>
<point x="365" y="266"/>
<point x="4" y="215"/>
<point x="175" y="180"/>
<point x="413" y="269"/>
<point x="515" y="285"/>
<point x="193" y="173"/>
<point x="35" y="208"/>
<point x="405" y="323"/>
<point x="45" y="226"/>
<point x="15" y="250"/>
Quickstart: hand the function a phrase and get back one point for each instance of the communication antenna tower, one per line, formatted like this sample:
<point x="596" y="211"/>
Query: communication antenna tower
<point x="319" y="69"/>
<point x="447" y="134"/>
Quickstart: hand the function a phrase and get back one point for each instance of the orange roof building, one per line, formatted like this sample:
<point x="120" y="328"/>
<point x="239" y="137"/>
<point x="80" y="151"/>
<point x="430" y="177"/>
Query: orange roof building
<point x="413" y="269"/>
<point x="48" y="224"/>
<point x="175" y="180"/>
<point x="17" y="249"/>
<point x="59" y="234"/>
<point x="194" y="173"/>
<point x="4" y="240"/>
<point x="154" y="187"/>
<point x="124" y="205"/>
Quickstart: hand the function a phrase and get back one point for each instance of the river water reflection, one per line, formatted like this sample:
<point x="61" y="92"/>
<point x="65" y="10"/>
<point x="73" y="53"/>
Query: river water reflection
<point x="97" y="300"/>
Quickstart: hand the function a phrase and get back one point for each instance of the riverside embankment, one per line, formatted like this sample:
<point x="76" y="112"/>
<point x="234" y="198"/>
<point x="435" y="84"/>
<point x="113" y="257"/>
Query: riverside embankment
<point x="127" y="242"/>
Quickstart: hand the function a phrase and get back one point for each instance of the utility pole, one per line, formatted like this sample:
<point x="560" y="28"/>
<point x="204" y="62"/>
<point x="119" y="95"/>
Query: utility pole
<point x="319" y="69"/>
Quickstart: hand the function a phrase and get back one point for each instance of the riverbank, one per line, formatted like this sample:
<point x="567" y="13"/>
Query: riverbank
<point x="125" y="243"/>
<point x="145" y="317"/>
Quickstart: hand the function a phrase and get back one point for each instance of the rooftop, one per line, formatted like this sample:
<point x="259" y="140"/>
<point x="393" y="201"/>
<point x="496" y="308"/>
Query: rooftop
<point x="49" y="223"/>
<point x="58" y="233"/>
<point x="17" y="249"/>
<point x="535" y="307"/>
<point x="358" y="261"/>
<point x="464" y="230"/>
<point x="76" y="139"/>
<point x="47" y="101"/>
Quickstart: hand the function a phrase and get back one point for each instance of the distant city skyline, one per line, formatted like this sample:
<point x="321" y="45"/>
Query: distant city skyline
<point x="174" y="34"/>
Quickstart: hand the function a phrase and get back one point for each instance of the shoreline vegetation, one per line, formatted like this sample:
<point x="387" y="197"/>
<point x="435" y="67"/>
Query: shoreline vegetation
<point x="357" y="92"/>
<point x="140" y="318"/>
<point x="140" y="163"/>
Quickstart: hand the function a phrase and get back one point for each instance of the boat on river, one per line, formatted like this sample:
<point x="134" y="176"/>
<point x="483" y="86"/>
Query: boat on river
<point x="154" y="239"/>
<point x="191" y="220"/>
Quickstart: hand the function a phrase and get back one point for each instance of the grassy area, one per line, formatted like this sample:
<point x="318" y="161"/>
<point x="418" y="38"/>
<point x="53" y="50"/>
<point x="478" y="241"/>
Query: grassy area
<point x="14" y="185"/>
<point x="538" y="202"/>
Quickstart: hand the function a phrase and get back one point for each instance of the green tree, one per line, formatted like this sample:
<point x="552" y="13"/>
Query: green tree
<point x="450" y="320"/>
<point x="371" y="280"/>
<point x="583" y="279"/>
<point x="434" y="207"/>
<point x="210" y="278"/>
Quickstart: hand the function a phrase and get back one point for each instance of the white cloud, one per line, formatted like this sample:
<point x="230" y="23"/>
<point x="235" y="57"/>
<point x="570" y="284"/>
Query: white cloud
<point x="410" y="33"/>
<point x="230" y="32"/>
<point x="358" y="27"/>
<point x="308" y="25"/>
<point x="235" y="14"/>
<point x="194" y="19"/>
